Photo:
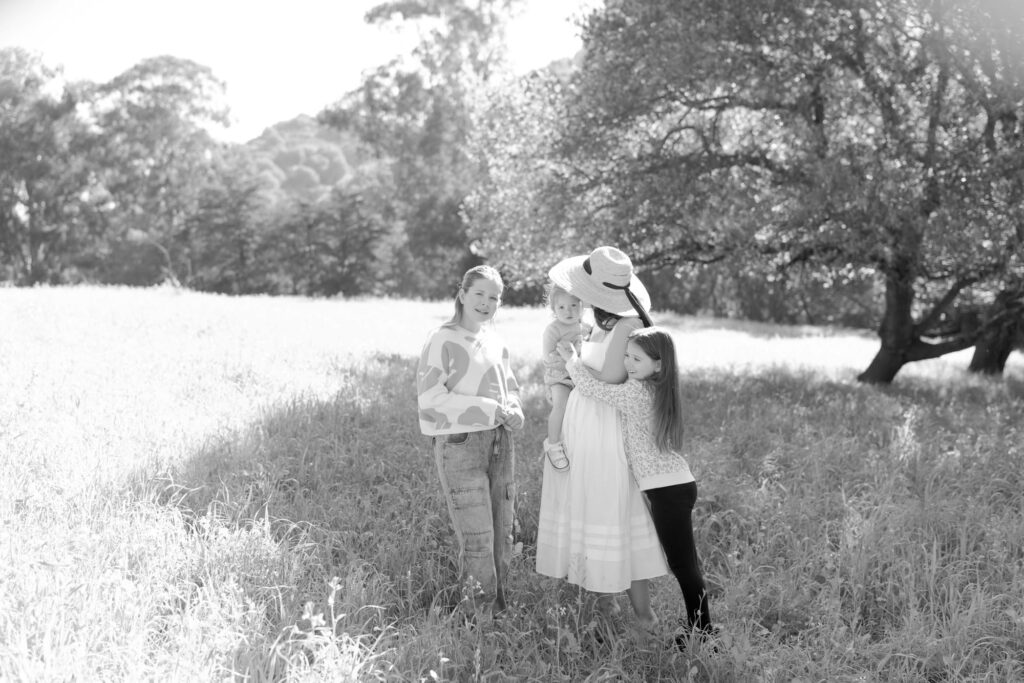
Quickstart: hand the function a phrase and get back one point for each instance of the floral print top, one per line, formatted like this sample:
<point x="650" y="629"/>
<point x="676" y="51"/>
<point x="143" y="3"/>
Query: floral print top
<point x="652" y="468"/>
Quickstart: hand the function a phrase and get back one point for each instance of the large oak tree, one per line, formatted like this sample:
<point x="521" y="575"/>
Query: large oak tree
<point x="845" y="135"/>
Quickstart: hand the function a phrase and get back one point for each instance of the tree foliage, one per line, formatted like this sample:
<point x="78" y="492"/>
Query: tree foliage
<point x="413" y="114"/>
<point x="47" y="199"/>
<point x="329" y="248"/>
<point x="228" y="227"/>
<point x="848" y="162"/>
<point x="852" y="136"/>
<point x="156" y="152"/>
<point x="302" y="160"/>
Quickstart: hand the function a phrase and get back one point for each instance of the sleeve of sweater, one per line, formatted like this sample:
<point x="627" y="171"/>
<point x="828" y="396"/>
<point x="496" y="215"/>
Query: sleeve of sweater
<point x="624" y="397"/>
<point x="550" y="339"/>
<point x="513" y="402"/>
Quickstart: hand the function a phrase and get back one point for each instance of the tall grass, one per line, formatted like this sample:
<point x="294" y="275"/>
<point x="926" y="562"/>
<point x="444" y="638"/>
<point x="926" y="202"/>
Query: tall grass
<point x="208" y="488"/>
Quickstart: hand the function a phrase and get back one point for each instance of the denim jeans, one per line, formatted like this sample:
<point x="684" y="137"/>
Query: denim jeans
<point x="671" y="510"/>
<point x="477" y="471"/>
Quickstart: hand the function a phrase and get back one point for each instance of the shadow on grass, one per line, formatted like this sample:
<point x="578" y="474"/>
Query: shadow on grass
<point x="329" y="511"/>
<point x="346" y="474"/>
<point x="348" y="485"/>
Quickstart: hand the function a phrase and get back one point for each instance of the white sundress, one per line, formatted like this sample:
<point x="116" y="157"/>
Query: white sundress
<point x="593" y="528"/>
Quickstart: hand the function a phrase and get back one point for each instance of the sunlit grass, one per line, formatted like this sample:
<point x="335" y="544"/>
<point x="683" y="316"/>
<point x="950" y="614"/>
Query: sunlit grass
<point x="209" y="488"/>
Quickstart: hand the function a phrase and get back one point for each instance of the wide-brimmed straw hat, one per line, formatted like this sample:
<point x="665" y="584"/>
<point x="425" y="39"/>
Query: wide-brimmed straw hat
<point x="604" y="280"/>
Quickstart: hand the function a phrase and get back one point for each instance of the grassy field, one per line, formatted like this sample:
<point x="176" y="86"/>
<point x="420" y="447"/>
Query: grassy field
<point x="208" y="488"/>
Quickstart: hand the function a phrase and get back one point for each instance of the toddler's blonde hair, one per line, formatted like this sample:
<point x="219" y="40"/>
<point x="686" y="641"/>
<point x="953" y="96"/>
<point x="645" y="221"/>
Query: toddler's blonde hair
<point x="553" y="292"/>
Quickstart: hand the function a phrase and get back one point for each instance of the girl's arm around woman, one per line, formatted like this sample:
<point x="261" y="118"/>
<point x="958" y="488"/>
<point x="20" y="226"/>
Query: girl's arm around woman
<point x="624" y="397"/>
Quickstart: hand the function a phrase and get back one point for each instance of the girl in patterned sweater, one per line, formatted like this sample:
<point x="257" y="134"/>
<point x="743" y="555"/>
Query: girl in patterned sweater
<point x="650" y="402"/>
<point x="468" y="403"/>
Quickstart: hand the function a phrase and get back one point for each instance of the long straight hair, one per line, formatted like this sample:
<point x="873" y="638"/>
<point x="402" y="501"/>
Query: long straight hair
<point x="668" y="395"/>
<point x="472" y="275"/>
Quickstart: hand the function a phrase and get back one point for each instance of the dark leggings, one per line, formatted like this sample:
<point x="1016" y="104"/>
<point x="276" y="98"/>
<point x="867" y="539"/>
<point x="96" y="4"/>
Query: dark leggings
<point x="671" y="508"/>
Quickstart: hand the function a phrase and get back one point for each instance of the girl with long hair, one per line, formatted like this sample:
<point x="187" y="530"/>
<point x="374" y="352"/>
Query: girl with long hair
<point x="650" y="401"/>
<point x="468" y="403"/>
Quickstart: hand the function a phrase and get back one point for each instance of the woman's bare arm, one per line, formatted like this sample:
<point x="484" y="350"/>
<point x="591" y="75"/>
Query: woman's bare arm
<point x="614" y="371"/>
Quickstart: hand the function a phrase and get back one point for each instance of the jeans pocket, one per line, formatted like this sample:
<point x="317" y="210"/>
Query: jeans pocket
<point x="457" y="439"/>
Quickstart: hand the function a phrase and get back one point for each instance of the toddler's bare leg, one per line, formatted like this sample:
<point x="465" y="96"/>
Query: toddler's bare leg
<point x="559" y="397"/>
<point x="640" y="598"/>
<point x="607" y="605"/>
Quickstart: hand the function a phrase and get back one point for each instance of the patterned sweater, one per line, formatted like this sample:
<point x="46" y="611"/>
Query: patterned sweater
<point x="651" y="467"/>
<point x="461" y="381"/>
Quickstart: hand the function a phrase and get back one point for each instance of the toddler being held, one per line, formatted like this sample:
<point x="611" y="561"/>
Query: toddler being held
<point x="567" y="327"/>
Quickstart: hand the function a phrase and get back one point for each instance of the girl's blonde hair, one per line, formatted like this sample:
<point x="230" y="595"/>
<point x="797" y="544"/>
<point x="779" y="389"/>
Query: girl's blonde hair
<point x="668" y="395"/>
<point x="472" y="275"/>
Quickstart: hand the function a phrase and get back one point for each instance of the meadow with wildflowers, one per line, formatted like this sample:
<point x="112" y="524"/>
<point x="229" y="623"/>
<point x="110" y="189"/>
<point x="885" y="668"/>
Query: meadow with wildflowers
<point x="199" y="487"/>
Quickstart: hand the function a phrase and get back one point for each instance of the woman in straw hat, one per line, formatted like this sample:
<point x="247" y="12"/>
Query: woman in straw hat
<point x="594" y="529"/>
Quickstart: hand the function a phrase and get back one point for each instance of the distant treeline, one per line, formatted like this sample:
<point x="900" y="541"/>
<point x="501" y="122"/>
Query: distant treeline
<point x="851" y="163"/>
<point x="122" y="183"/>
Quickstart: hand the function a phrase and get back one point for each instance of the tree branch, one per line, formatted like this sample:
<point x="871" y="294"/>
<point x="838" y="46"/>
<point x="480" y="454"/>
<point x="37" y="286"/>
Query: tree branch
<point x="940" y="307"/>
<point x="922" y="350"/>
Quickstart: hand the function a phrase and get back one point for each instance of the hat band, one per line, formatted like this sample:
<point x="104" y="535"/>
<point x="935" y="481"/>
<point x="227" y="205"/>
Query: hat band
<point x="633" y="301"/>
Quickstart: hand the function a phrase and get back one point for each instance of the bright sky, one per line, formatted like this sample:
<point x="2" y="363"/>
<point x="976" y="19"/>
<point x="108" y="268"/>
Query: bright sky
<point x="279" y="59"/>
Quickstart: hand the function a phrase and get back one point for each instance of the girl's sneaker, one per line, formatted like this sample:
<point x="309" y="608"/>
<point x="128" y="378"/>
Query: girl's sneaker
<point x="556" y="455"/>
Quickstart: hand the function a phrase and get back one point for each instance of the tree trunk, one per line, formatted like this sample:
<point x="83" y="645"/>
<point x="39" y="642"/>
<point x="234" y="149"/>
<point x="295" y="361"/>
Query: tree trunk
<point x="896" y="331"/>
<point x="991" y="352"/>
<point x="996" y="343"/>
<point x="884" y="367"/>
